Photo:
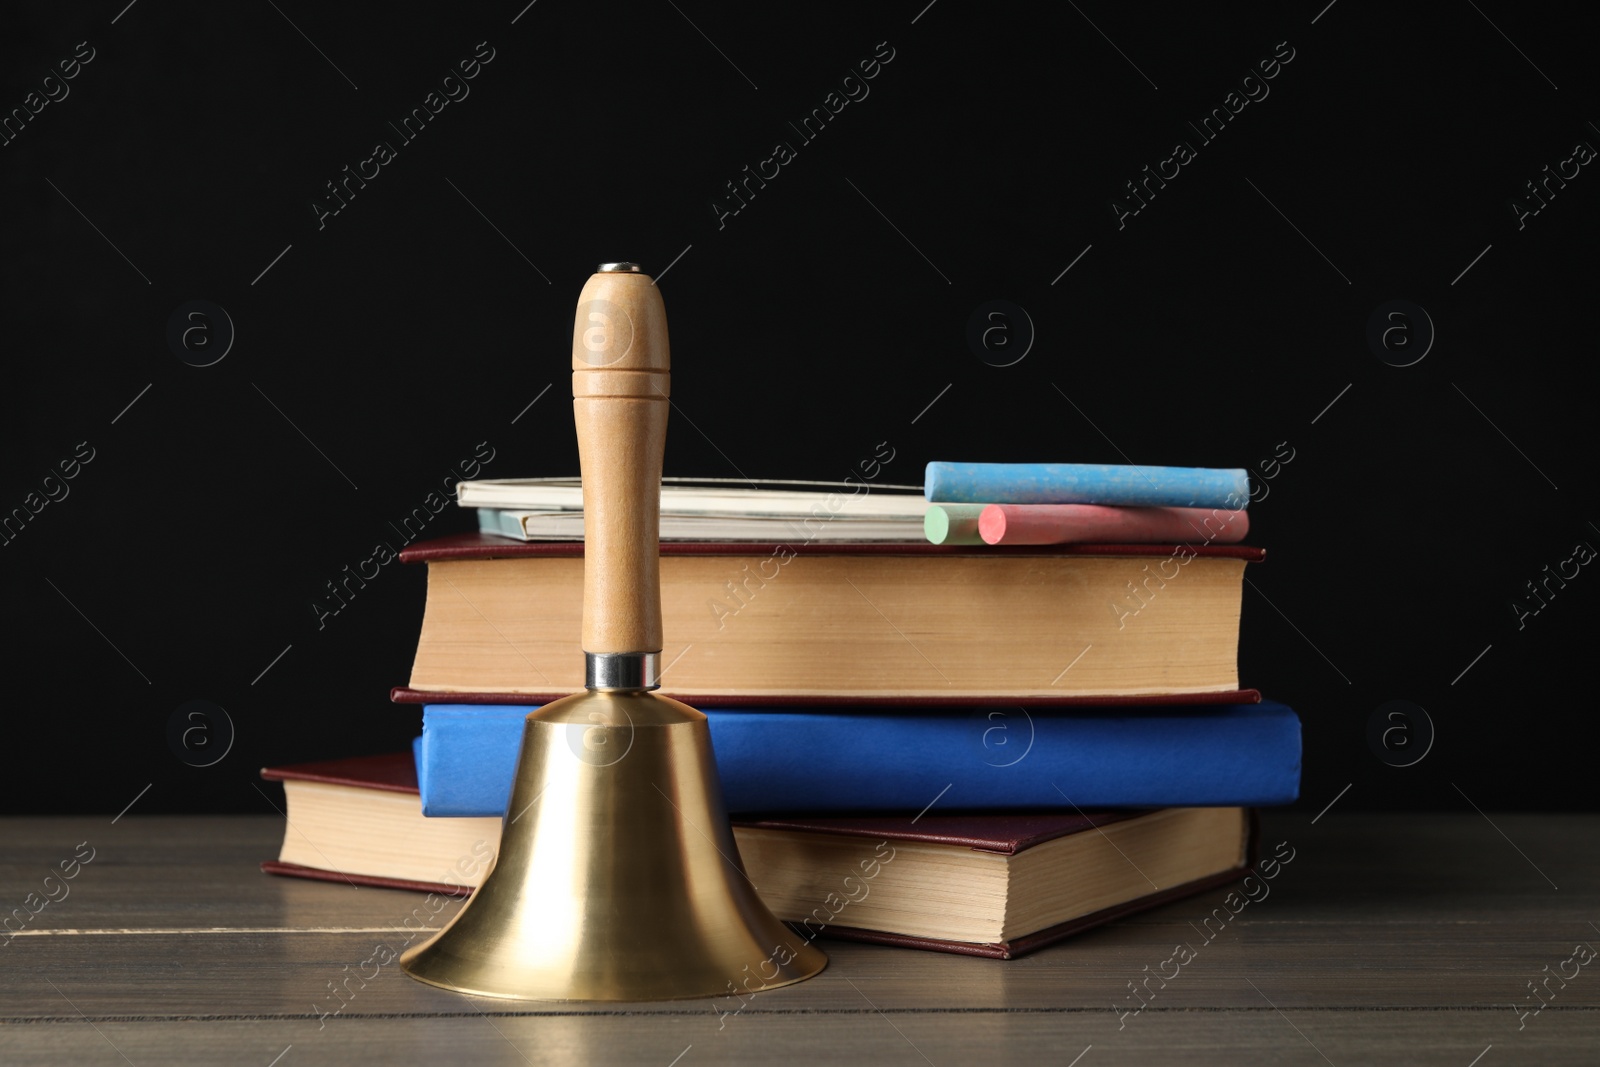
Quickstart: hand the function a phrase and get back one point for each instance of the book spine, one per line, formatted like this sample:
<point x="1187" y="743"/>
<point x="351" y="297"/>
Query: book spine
<point x="1056" y="524"/>
<point x="824" y="760"/>
<point x="1087" y="483"/>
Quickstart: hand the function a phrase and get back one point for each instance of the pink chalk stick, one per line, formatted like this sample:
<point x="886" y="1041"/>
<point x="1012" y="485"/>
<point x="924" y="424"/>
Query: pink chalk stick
<point x="1055" y="524"/>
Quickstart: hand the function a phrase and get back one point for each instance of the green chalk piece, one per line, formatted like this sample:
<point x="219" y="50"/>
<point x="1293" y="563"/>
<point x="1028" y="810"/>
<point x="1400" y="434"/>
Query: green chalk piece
<point x="953" y="524"/>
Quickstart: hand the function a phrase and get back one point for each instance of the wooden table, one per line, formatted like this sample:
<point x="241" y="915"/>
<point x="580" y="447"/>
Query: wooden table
<point x="1389" y="939"/>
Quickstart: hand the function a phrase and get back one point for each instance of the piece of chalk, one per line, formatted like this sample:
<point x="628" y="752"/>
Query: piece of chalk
<point x="952" y="524"/>
<point x="1057" y="524"/>
<point x="1087" y="483"/>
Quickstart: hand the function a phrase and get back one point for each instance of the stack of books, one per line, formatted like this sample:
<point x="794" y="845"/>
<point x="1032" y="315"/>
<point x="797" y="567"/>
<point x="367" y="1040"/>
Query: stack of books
<point x="961" y="746"/>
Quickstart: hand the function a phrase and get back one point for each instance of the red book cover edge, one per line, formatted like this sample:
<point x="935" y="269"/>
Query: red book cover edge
<point x="404" y="694"/>
<point x="491" y="546"/>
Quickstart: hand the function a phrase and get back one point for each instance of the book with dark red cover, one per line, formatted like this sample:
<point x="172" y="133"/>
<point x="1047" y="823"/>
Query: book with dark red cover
<point x="392" y="772"/>
<point x="1006" y="834"/>
<point x="511" y="667"/>
<point x="318" y="874"/>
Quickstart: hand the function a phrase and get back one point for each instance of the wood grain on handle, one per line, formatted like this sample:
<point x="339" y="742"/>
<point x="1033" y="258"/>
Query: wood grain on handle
<point x="620" y="384"/>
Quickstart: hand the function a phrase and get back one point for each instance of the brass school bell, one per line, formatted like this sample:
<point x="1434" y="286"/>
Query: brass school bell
<point x="617" y="877"/>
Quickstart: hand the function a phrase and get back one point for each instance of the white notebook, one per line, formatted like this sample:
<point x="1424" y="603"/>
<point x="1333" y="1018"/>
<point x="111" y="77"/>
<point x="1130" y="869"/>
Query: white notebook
<point x="721" y="497"/>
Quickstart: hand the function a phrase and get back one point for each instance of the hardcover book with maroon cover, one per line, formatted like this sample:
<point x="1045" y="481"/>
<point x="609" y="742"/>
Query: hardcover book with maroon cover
<point x="814" y="624"/>
<point x="359" y="821"/>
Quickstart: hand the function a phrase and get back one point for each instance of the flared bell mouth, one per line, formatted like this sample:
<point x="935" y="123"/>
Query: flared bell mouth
<point x="618" y="877"/>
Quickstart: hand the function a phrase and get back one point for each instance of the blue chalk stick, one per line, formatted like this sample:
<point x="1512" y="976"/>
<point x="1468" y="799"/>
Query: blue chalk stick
<point x="1087" y="483"/>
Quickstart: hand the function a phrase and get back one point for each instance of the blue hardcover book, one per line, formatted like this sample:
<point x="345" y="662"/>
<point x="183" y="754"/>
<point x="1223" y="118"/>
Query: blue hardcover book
<point x="865" y="760"/>
<point x="1087" y="483"/>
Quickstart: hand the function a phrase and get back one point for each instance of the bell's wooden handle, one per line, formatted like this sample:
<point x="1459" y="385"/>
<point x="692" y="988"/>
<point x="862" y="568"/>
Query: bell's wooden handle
<point x="620" y="382"/>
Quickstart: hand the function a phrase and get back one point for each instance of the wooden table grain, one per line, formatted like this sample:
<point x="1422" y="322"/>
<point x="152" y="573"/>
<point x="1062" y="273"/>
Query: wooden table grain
<point x="1387" y="939"/>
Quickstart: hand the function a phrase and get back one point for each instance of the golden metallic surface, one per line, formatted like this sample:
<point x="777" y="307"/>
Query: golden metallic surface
<point x="618" y="877"/>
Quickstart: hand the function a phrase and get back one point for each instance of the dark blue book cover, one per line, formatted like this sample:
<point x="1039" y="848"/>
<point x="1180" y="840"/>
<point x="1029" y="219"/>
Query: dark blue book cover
<point x="866" y="760"/>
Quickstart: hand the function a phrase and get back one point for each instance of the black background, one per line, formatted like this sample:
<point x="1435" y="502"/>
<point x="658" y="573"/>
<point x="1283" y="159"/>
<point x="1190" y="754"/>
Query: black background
<point x="822" y="319"/>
